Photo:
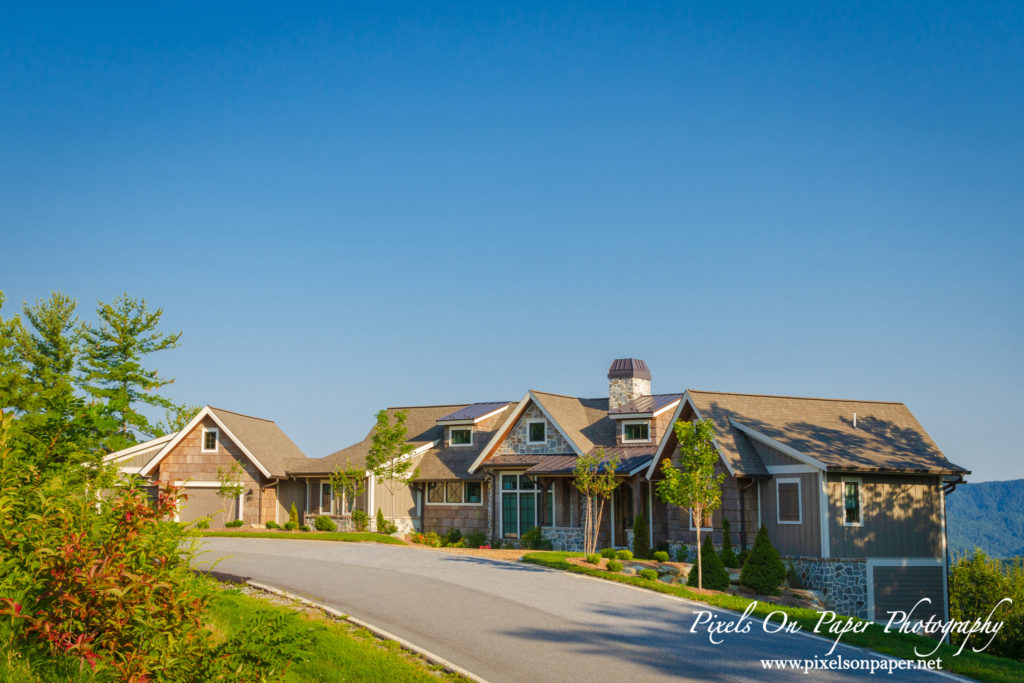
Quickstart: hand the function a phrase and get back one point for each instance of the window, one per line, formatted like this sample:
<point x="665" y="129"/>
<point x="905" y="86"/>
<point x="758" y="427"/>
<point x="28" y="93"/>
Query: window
<point x="460" y="436"/>
<point x="435" y="492"/>
<point x="787" y="492"/>
<point x="851" y="503"/>
<point x="209" y="439"/>
<point x="454" y="493"/>
<point x="325" y="497"/>
<point x="705" y="525"/>
<point x="520" y="498"/>
<point x="636" y="431"/>
<point x="472" y="491"/>
<point x="536" y="431"/>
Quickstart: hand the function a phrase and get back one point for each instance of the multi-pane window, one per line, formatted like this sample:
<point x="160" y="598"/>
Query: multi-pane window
<point x="460" y="436"/>
<point x="454" y="492"/>
<point x="636" y="431"/>
<point x="520" y="499"/>
<point x="851" y="503"/>
<point x="325" y="497"/>
<point x="788" y="493"/>
<point x="209" y="439"/>
<point x="537" y="431"/>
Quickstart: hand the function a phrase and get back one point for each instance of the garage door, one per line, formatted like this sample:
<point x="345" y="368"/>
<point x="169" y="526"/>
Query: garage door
<point x="204" y="502"/>
<point x="899" y="588"/>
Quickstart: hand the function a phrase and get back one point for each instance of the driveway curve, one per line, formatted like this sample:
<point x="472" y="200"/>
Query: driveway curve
<point x="507" y="621"/>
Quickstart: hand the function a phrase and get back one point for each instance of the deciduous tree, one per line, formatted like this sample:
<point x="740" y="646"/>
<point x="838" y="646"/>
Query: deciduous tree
<point x="388" y="456"/>
<point x="347" y="483"/>
<point x="594" y="476"/>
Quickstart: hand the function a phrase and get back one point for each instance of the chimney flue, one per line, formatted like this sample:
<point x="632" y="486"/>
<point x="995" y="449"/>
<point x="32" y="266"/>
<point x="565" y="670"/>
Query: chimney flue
<point x="628" y="378"/>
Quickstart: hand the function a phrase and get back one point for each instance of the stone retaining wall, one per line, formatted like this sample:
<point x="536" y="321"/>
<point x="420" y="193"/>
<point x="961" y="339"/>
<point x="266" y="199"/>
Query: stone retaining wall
<point x="565" y="538"/>
<point x="844" y="582"/>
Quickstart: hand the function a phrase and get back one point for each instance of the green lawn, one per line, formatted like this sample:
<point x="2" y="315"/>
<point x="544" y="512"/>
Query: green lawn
<point x="353" y="536"/>
<point x="980" y="666"/>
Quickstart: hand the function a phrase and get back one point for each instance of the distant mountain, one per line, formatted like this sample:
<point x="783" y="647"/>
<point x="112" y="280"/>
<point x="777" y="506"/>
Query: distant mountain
<point x="989" y="515"/>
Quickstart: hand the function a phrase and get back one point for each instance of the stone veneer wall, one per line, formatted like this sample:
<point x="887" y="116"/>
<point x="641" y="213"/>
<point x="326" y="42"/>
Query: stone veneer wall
<point x="844" y="582"/>
<point x="622" y="390"/>
<point x="565" y="538"/>
<point x="516" y="442"/>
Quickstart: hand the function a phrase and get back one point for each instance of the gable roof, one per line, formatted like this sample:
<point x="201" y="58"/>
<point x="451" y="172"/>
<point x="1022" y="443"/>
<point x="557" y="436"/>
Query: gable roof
<point x="652" y="404"/>
<point x="820" y="432"/>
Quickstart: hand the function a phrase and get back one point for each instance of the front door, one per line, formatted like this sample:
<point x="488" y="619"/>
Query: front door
<point x="623" y="513"/>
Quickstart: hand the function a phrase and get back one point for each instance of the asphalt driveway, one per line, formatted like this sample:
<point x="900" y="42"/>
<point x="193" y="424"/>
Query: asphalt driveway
<point x="508" y="621"/>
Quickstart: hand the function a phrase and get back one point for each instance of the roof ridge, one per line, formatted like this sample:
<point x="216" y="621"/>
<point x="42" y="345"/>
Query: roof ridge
<point x="578" y="398"/>
<point x="801" y="398"/>
<point x="433" y="405"/>
<point x="235" y="412"/>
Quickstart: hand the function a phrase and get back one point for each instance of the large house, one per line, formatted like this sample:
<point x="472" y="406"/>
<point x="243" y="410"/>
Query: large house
<point x="852" y="493"/>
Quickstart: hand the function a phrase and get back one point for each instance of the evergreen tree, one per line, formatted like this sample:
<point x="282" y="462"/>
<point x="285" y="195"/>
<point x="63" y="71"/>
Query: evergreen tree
<point x="712" y="573"/>
<point x="641" y="538"/>
<point x="764" y="569"/>
<point x="177" y="418"/>
<point x="729" y="558"/>
<point x="115" y="350"/>
<point x="12" y="369"/>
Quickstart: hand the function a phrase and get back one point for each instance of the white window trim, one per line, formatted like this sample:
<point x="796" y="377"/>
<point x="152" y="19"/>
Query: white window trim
<point x="799" y="500"/>
<point x="860" y="501"/>
<point x="452" y="444"/>
<point x="542" y="441"/>
<point x="202" y="443"/>
<point x="689" y="513"/>
<point x="636" y="422"/>
<point x="444" y="484"/>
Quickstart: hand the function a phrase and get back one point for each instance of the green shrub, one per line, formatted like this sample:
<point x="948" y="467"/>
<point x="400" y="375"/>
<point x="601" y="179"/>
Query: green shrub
<point x="273" y="525"/>
<point x="360" y="520"/>
<point x="534" y="540"/>
<point x="203" y="524"/>
<point x="496" y="543"/>
<point x="649" y="574"/>
<point x="641" y="538"/>
<point x="234" y="524"/>
<point x="742" y="557"/>
<point x="293" y="515"/>
<point x="661" y="556"/>
<point x="715" y="577"/>
<point x="291" y="526"/>
<point x="476" y="539"/>
<point x="792" y="579"/>
<point x="430" y="539"/>
<point x="623" y="555"/>
<point x="764" y="570"/>
<point x="662" y="546"/>
<point x="594" y="558"/>
<point x="608" y="553"/>
<point x="453" y="537"/>
<point x="683" y="554"/>
<point x="304" y="527"/>
<point x="324" y="523"/>
<point x="385" y="526"/>
<point x="976" y="584"/>
<point x="614" y="566"/>
<point x="729" y="558"/>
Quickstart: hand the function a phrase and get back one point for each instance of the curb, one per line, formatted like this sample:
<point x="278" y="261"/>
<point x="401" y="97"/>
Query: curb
<point x="448" y="666"/>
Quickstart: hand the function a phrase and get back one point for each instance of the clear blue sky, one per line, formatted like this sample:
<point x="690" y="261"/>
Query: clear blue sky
<point x="347" y="208"/>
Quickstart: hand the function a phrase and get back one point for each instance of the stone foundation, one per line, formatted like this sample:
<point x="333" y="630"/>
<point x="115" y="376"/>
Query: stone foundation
<point x="565" y="538"/>
<point x="844" y="582"/>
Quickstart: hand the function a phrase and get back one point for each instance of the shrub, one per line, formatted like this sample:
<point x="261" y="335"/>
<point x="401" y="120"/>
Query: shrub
<point x="729" y="558"/>
<point x="273" y="525"/>
<point x="976" y="584"/>
<point x="291" y="526"/>
<point x="534" y="540"/>
<point x="594" y="558"/>
<point x="715" y="576"/>
<point x="661" y="556"/>
<point x="476" y="539"/>
<point x="641" y="538"/>
<point x="649" y="574"/>
<point x="304" y="527"/>
<point x="683" y="554"/>
<point x="623" y="555"/>
<point x="742" y="557"/>
<point x="360" y="519"/>
<point x="792" y="579"/>
<point x="764" y="570"/>
<point x="662" y="546"/>
<point x="608" y="553"/>
<point x="234" y="524"/>
<point x="203" y="524"/>
<point x="496" y="543"/>
<point x="453" y="537"/>
<point x="614" y="566"/>
<point x="324" y="523"/>
<point x="293" y="515"/>
<point x="385" y="526"/>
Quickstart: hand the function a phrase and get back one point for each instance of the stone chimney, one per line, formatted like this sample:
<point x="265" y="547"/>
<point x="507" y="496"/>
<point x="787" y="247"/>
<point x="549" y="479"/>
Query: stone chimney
<point x="628" y="378"/>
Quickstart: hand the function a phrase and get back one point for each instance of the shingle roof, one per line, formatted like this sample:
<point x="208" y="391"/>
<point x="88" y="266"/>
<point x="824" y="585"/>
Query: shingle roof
<point x="585" y="421"/>
<point x="473" y="411"/>
<point x="630" y="459"/>
<point x="886" y="436"/>
<point x="646" y="404"/>
<point x="264" y="439"/>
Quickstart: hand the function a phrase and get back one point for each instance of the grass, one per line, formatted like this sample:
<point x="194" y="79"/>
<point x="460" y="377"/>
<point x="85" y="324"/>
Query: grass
<point x="980" y="666"/>
<point x="348" y="536"/>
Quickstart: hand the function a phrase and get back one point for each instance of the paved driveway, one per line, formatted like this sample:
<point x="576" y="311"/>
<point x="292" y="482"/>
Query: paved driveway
<point x="515" y="622"/>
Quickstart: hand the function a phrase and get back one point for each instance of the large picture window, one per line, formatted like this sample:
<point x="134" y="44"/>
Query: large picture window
<point x="520" y="498"/>
<point x="454" y="493"/>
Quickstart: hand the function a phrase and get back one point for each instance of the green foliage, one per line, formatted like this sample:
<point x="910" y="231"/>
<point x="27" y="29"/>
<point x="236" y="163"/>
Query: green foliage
<point x="360" y="520"/>
<point x="304" y="527"/>
<point x="293" y="516"/>
<point x="608" y="553"/>
<point x="113" y="355"/>
<point x="594" y="558"/>
<point x="976" y="584"/>
<point x="429" y="539"/>
<point x="12" y="369"/>
<point x="764" y="570"/>
<point x="742" y="557"/>
<point x="693" y="486"/>
<point x="476" y="539"/>
<point x="792" y="579"/>
<point x="385" y="526"/>
<point x="614" y="566"/>
<point x="203" y="524"/>
<point x="348" y="483"/>
<point x="177" y="418"/>
<point x="291" y="526"/>
<point x="453" y="537"/>
<point x="497" y="543"/>
<point x="683" y="554"/>
<point x="649" y="574"/>
<point x="387" y="456"/>
<point x="986" y="515"/>
<point x="661" y="556"/>
<point x="623" y="555"/>
<point x="534" y="540"/>
<point x="594" y="477"/>
<point x="729" y="558"/>
<point x="641" y="537"/>
<point x="714" y="575"/>
<point x="234" y="523"/>
<point x="324" y="523"/>
<point x="232" y="484"/>
<point x="273" y="525"/>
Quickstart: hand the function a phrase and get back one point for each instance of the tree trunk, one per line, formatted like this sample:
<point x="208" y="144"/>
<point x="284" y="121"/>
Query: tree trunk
<point x="597" y="527"/>
<point x="700" y="567"/>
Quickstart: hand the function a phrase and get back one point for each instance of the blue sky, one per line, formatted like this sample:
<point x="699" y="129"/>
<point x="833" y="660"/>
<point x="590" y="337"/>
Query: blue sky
<point x="347" y="208"/>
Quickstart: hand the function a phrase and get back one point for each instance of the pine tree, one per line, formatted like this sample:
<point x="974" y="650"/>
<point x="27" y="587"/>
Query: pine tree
<point x="729" y="558"/>
<point x="712" y="573"/>
<point x="764" y="569"/>
<point x="113" y="364"/>
<point x="12" y="369"/>
<point x="641" y="538"/>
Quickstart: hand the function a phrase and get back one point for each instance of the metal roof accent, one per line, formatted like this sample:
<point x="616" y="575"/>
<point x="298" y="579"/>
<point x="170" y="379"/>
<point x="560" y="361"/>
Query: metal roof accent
<point x="629" y="367"/>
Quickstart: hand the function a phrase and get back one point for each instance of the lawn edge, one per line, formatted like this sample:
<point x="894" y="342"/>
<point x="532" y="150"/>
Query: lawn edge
<point x="299" y="536"/>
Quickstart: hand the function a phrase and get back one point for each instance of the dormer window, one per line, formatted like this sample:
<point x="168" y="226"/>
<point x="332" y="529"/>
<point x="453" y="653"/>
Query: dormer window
<point x="460" y="436"/>
<point x="636" y="432"/>
<point x="210" y="440"/>
<point x="536" y="431"/>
